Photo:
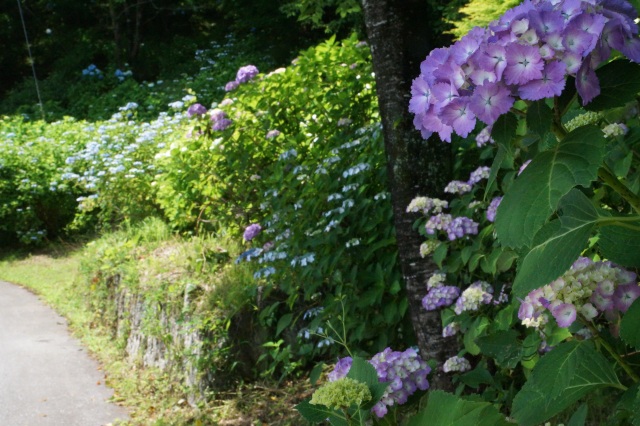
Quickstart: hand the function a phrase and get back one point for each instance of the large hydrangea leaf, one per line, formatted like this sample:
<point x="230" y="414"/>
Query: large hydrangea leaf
<point x="558" y="244"/>
<point x="562" y="377"/>
<point x="535" y="194"/>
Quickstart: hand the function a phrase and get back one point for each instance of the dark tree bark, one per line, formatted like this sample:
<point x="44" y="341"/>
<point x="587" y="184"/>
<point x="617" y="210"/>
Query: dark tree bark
<point x="398" y="34"/>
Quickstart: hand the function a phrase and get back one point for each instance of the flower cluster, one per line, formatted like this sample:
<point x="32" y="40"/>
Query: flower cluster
<point x="404" y="371"/>
<point x="196" y="110"/>
<point x="252" y="231"/>
<point x="93" y="71"/>
<point x="244" y="75"/>
<point x="456" y="363"/>
<point x="527" y="53"/>
<point x="451" y="329"/>
<point x="272" y="134"/>
<point x="122" y="75"/>
<point x="426" y="205"/>
<point x="478" y="293"/>
<point x="440" y="296"/>
<point x="219" y="120"/>
<point x="588" y="288"/>
<point x="493" y="209"/>
<point x="341" y="394"/>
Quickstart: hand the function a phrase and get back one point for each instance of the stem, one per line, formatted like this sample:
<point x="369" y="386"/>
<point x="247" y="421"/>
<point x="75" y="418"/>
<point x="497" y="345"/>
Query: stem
<point x="613" y="353"/>
<point x="612" y="181"/>
<point x="620" y="221"/>
<point x="556" y="126"/>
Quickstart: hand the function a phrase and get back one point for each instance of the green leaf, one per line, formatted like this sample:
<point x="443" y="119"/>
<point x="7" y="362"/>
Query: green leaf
<point x="628" y="405"/>
<point x="558" y="244"/>
<point x="539" y="118"/>
<point x="495" y="168"/>
<point x="621" y="245"/>
<point x="440" y="253"/>
<point x="504" y="318"/>
<point x="559" y="379"/>
<point x="476" y="377"/>
<point x="475" y="330"/>
<point x="445" y="409"/>
<point x="579" y="417"/>
<point x="283" y="323"/>
<point x="314" y="413"/>
<point x="504" y="129"/>
<point x="616" y="91"/>
<point x="364" y="372"/>
<point x="316" y="372"/>
<point x="629" y="330"/>
<point x="535" y="194"/>
<point x="503" y="346"/>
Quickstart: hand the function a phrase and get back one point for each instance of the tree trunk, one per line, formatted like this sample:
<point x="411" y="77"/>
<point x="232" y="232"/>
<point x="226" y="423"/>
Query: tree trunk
<point x="117" y="35"/>
<point x="398" y="34"/>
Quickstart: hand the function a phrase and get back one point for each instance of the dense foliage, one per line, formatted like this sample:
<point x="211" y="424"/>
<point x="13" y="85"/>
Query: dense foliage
<point x="297" y="150"/>
<point x="536" y="239"/>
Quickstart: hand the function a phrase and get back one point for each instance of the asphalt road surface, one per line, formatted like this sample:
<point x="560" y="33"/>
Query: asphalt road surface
<point x="46" y="377"/>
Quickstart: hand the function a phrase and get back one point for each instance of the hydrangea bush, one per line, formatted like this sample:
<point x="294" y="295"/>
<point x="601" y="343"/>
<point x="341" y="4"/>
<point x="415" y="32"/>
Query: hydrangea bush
<point x="548" y="92"/>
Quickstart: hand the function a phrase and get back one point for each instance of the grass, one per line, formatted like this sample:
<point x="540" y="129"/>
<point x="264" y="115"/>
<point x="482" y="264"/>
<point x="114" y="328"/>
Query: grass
<point x="154" y="397"/>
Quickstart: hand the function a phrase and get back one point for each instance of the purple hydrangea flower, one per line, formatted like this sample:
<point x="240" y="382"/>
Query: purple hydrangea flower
<point x="490" y="101"/>
<point x="219" y="120"/>
<point x="493" y="209"/>
<point x="457" y="187"/>
<point x="246" y="73"/>
<point x="625" y="295"/>
<point x="479" y="174"/>
<point x="451" y="329"/>
<point x="232" y="85"/>
<point x="461" y="226"/>
<point x="405" y="372"/>
<point x="524" y="64"/>
<point x="528" y="52"/>
<point x="438" y="222"/>
<point x="439" y="297"/>
<point x="196" y="109"/>
<point x="341" y="369"/>
<point x="272" y="134"/>
<point x="484" y="137"/>
<point x="564" y="313"/>
<point x="252" y="231"/>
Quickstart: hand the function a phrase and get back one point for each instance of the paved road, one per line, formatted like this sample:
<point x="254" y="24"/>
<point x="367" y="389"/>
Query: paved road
<point x="46" y="377"/>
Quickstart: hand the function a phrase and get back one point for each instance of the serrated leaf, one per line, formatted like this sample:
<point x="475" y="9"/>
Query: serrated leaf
<point x="621" y="245"/>
<point x="558" y="244"/>
<point x="561" y="377"/>
<point x="362" y="371"/>
<point x="445" y="409"/>
<point x="629" y="330"/>
<point x="535" y="194"/>
<point x="504" y="129"/>
<point x="314" y="413"/>
<point x="616" y="91"/>
<point x="503" y="346"/>
<point x="539" y="118"/>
